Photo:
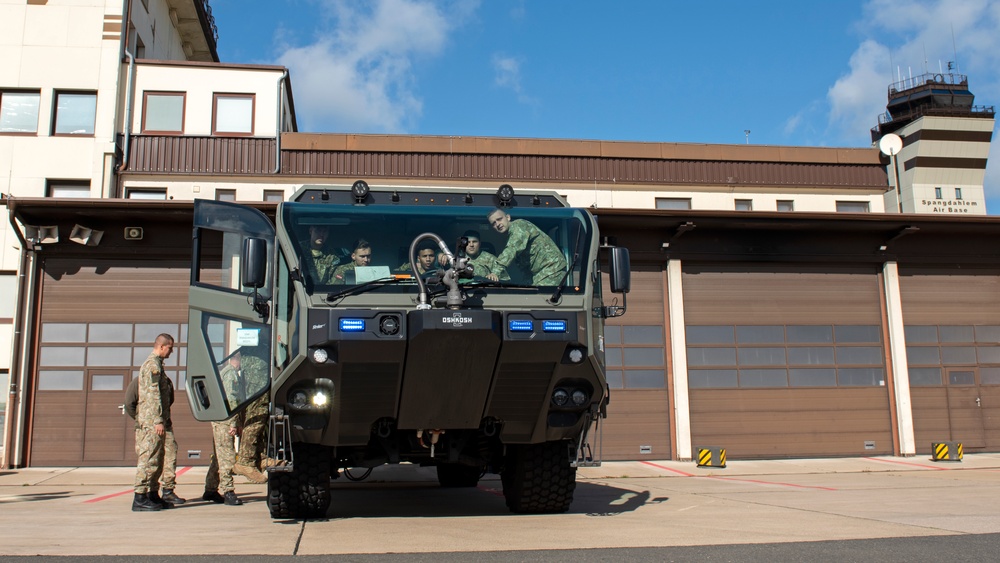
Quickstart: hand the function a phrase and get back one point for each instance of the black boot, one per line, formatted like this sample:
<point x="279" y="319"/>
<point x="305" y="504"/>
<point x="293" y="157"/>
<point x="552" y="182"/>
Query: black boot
<point x="154" y="497"/>
<point x="141" y="503"/>
<point x="231" y="499"/>
<point x="170" y="498"/>
<point x="213" y="496"/>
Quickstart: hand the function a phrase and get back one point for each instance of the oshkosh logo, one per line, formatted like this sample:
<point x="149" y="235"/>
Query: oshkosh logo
<point x="456" y="319"/>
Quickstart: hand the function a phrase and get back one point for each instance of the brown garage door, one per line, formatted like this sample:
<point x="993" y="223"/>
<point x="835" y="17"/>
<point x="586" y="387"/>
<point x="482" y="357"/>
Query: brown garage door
<point x="786" y="362"/>
<point x="952" y="325"/>
<point x="637" y="426"/>
<point x="98" y="323"/>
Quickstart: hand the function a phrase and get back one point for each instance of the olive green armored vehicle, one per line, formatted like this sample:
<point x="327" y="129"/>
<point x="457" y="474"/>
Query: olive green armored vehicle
<point x="453" y="328"/>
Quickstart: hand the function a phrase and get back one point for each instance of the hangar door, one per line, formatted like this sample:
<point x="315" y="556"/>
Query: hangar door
<point x="637" y="426"/>
<point x="97" y="326"/>
<point x="786" y="362"/>
<point x="952" y="327"/>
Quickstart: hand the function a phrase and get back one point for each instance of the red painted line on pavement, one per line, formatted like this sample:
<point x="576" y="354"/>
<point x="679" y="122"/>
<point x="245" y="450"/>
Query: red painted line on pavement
<point x="664" y="467"/>
<point x="755" y="481"/>
<point x="489" y="490"/>
<point x="939" y="468"/>
<point x="182" y="471"/>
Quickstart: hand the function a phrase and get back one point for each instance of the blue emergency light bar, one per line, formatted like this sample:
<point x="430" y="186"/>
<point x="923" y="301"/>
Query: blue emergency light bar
<point x="554" y="326"/>
<point x="352" y="325"/>
<point x="516" y="325"/>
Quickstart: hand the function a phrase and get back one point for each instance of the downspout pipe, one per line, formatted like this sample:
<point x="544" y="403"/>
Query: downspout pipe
<point x="127" y="129"/>
<point x="279" y="121"/>
<point x="13" y="448"/>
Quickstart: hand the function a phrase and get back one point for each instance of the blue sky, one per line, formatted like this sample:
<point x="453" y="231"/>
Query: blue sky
<point x="792" y="72"/>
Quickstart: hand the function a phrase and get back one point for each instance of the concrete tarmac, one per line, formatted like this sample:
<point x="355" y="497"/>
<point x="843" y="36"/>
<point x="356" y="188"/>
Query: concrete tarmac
<point x="70" y="511"/>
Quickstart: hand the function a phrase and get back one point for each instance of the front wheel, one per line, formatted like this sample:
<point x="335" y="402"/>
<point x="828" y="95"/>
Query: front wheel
<point x="303" y="492"/>
<point x="538" y="478"/>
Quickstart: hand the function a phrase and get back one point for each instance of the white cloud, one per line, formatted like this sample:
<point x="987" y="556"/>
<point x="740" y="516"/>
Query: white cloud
<point x="358" y="76"/>
<point x="919" y="36"/>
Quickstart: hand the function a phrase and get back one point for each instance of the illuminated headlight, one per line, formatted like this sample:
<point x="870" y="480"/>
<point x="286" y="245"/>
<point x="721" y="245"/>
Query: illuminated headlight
<point x="299" y="399"/>
<point x="320" y="399"/>
<point x="560" y="397"/>
<point x="578" y="397"/>
<point x="320" y="356"/>
<point x="576" y="355"/>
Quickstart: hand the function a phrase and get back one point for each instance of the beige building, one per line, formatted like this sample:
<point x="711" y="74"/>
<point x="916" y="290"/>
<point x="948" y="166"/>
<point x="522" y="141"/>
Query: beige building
<point x="118" y="100"/>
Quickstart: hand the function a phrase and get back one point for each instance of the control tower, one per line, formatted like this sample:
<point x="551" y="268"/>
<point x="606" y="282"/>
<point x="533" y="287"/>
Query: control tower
<point x="945" y="144"/>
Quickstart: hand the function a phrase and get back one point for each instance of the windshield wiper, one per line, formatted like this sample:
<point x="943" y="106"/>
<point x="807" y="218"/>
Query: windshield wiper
<point x="491" y="283"/>
<point x="367" y="286"/>
<point x="557" y="294"/>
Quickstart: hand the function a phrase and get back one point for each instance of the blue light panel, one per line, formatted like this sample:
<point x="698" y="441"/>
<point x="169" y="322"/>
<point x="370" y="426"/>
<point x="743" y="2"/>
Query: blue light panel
<point x="521" y="326"/>
<point x="554" y="326"/>
<point x="352" y="325"/>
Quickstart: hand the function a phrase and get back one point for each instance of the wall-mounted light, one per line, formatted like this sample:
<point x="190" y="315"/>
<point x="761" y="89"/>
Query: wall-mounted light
<point x="85" y="235"/>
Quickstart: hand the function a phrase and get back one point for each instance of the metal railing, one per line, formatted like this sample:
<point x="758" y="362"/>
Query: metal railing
<point x="947" y="78"/>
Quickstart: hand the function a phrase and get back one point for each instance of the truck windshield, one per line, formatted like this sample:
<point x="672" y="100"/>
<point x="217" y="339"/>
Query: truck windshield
<point x="345" y="245"/>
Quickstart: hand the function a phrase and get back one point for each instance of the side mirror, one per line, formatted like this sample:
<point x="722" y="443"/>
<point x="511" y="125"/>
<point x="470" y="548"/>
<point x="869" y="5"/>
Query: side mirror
<point x="254" y="269"/>
<point x="621" y="270"/>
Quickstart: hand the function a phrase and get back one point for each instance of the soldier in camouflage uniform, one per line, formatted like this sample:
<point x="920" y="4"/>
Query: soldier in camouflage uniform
<point x="249" y="462"/>
<point x="322" y="262"/>
<point x="360" y="256"/>
<point x="529" y="247"/>
<point x="426" y="257"/>
<point x="151" y="422"/>
<point x="220" y="471"/>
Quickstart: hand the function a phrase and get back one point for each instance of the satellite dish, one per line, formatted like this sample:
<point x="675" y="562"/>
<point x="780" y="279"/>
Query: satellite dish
<point x="890" y="144"/>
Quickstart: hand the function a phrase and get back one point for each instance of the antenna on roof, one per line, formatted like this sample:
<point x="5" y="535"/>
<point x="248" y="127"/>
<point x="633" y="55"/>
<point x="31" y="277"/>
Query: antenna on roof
<point x="954" y="49"/>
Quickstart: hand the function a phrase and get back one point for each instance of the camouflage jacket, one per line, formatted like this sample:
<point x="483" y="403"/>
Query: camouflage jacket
<point x="482" y="265"/>
<point x="323" y="264"/>
<point x="255" y="374"/>
<point x="534" y="251"/>
<point x="235" y="391"/>
<point x="340" y="273"/>
<point x="154" y="393"/>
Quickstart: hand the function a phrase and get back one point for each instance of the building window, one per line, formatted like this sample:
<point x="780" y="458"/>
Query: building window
<point x="934" y="351"/>
<point x="233" y="114"/>
<point x="225" y="195"/>
<point x="67" y="188"/>
<point x="937" y="193"/>
<point x="958" y="193"/>
<point x="8" y="287"/>
<point x="163" y="112"/>
<point x="752" y="356"/>
<point x="852" y="207"/>
<point x="18" y="112"/>
<point x="146" y="193"/>
<point x="744" y="205"/>
<point x="635" y="357"/>
<point x="673" y="203"/>
<point x="274" y="195"/>
<point x="786" y="205"/>
<point x="76" y="113"/>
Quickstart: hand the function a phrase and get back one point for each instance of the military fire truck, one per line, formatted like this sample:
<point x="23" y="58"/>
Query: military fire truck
<point x="473" y="366"/>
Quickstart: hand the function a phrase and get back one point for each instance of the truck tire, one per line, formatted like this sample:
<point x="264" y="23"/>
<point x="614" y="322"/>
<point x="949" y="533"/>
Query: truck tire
<point x="458" y="475"/>
<point x="538" y="479"/>
<point x="303" y="492"/>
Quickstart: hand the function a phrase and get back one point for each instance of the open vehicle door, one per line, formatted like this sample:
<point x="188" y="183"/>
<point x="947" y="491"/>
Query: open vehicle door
<point x="229" y="332"/>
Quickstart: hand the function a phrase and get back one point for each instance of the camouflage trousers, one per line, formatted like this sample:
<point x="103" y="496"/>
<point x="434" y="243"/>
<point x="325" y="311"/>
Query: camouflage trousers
<point x="252" y="440"/>
<point x="168" y="473"/>
<point x="220" y="471"/>
<point x="149" y="450"/>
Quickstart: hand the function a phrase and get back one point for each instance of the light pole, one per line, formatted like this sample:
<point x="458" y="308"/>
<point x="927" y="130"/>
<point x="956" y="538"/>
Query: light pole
<point x="747" y="133"/>
<point x="890" y="145"/>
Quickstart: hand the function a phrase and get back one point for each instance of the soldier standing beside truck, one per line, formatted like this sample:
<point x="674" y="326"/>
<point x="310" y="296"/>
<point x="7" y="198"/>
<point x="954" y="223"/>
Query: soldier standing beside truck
<point x="151" y="421"/>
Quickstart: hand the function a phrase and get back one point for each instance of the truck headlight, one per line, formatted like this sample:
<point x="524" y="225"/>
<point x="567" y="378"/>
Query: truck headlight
<point x="560" y="397"/>
<point x="299" y="399"/>
<point x="579" y="397"/>
<point x="320" y="399"/>
<point x="320" y="355"/>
